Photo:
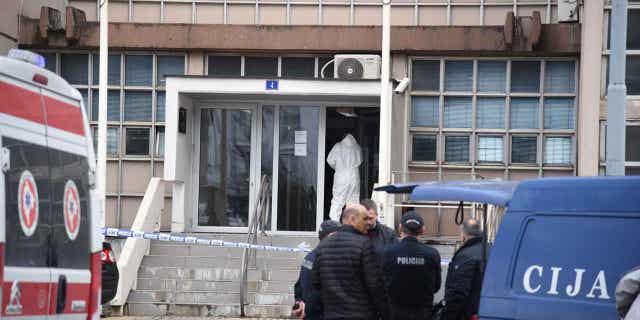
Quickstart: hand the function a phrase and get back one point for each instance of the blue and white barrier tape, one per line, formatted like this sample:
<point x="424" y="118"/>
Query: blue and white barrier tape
<point x="167" y="237"/>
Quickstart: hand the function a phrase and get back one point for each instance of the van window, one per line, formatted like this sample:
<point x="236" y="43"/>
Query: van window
<point x="575" y="257"/>
<point x="70" y="192"/>
<point x="23" y="250"/>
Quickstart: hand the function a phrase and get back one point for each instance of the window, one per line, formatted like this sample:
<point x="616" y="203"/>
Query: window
<point x="525" y="76"/>
<point x="557" y="150"/>
<point x="225" y="65"/>
<point x="425" y="112"/>
<point x="424" y="147"/>
<point x="632" y="171"/>
<point x="524" y="149"/>
<point x="49" y="61"/>
<point x="261" y="66"/>
<point x="490" y="113"/>
<point x="298" y="67"/>
<point x="633" y="75"/>
<point x="75" y="68"/>
<point x="458" y="76"/>
<point x="558" y="113"/>
<point x="490" y="149"/>
<point x="137" y="106"/>
<point x="492" y="76"/>
<point x="456" y="149"/>
<point x="85" y="99"/>
<point x="113" y="73"/>
<point x="159" y="147"/>
<point x="425" y="75"/>
<point x="524" y="113"/>
<point x="632" y="141"/>
<point x="139" y="70"/>
<point x="169" y="65"/>
<point x="560" y="77"/>
<point x="161" y="106"/>
<point x="137" y="141"/>
<point x="112" y="141"/>
<point x="113" y="105"/>
<point x="457" y="112"/>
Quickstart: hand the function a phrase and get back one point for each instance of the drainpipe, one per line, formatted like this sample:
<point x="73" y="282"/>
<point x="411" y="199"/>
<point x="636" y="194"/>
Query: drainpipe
<point x="384" y="170"/>
<point x="617" y="96"/>
<point x="102" y="111"/>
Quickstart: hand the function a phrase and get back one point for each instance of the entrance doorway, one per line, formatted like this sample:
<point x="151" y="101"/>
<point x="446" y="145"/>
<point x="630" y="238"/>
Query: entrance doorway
<point x="363" y="124"/>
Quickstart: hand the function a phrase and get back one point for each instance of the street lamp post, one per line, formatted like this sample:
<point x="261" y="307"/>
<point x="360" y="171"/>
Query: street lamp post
<point x="102" y="107"/>
<point x="384" y="170"/>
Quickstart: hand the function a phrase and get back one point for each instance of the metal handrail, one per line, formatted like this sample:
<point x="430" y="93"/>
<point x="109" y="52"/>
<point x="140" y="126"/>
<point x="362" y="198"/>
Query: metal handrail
<point x="257" y="224"/>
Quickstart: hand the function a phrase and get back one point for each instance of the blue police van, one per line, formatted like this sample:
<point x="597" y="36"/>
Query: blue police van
<point x="561" y="248"/>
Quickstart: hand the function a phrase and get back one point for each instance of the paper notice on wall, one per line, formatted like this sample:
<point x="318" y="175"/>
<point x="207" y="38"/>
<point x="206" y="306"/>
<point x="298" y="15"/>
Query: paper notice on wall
<point x="301" y="137"/>
<point x="300" y="150"/>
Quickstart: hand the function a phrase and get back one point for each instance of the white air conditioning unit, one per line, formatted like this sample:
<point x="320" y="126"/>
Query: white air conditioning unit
<point x="568" y="10"/>
<point x="356" y="66"/>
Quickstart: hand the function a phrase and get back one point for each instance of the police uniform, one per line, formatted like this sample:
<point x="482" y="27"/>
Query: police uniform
<point x="412" y="274"/>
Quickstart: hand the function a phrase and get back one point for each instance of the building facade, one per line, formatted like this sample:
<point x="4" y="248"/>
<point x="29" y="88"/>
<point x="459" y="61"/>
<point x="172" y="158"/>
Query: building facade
<point x="491" y="96"/>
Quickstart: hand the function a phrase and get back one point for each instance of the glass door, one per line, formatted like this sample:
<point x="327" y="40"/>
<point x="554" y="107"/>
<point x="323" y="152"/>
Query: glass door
<point x="225" y="167"/>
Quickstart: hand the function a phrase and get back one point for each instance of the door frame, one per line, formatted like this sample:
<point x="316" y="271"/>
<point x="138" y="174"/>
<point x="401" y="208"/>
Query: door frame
<point x="253" y="174"/>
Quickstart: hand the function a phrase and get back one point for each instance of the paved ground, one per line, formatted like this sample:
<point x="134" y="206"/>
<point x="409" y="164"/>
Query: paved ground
<point x="183" y="318"/>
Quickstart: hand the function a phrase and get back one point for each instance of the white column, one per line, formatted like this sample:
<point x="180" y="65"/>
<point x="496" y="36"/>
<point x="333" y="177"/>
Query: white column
<point x="384" y="173"/>
<point x="102" y="102"/>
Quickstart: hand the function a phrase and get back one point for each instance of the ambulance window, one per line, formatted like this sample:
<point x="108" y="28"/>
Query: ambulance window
<point x="70" y="208"/>
<point x="21" y="249"/>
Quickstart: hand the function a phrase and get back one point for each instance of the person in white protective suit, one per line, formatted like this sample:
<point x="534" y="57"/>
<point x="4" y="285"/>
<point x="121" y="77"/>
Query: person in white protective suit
<point x="345" y="158"/>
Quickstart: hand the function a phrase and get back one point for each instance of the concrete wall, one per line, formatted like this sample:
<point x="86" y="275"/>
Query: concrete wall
<point x="9" y="11"/>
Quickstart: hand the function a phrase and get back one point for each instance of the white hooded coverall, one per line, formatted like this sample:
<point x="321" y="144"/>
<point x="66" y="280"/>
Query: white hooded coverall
<point x="345" y="158"/>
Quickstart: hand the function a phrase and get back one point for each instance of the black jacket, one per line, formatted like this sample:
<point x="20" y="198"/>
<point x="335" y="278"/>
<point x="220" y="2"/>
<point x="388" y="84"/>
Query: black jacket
<point x="464" y="281"/>
<point x="347" y="273"/>
<point x="412" y="273"/>
<point x="382" y="236"/>
<point x="304" y="291"/>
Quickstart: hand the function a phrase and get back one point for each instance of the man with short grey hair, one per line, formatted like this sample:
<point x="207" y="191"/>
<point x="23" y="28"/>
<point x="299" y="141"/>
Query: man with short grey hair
<point x="464" y="275"/>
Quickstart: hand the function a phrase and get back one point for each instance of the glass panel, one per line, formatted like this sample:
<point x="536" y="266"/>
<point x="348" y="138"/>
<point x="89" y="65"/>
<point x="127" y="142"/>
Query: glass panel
<point x="633" y="75"/>
<point x="261" y="66"/>
<point x="85" y="99"/>
<point x="138" y="70"/>
<point x="75" y="68"/>
<point x="159" y="148"/>
<point x="524" y="113"/>
<point x="268" y="122"/>
<point x="113" y="74"/>
<point x="49" y="61"/>
<point x="490" y="113"/>
<point x="524" y="149"/>
<point x="425" y="112"/>
<point x="492" y="76"/>
<point x="137" y="141"/>
<point x="137" y="106"/>
<point x="328" y="71"/>
<point x="161" y="106"/>
<point x="633" y="143"/>
<point x="113" y="105"/>
<point x="490" y="149"/>
<point x="633" y="30"/>
<point x="425" y="75"/>
<point x="299" y="67"/>
<point x="557" y="150"/>
<point x="112" y="141"/>
<point x="456" y="149"/>
<point x="632" y="171"/>
<point x="225" y="162"/>
<point x="458" y="76"/>
<point x="424" y="147"/>
<point x="225" y="65"/>
<point x="298" y="168"/>
<point x="457" y="112"/>
<point x="169" y="65"/>
<point x="525" y="76"/>
<point x="558" y="113"/>
<point x="560" y="77"/>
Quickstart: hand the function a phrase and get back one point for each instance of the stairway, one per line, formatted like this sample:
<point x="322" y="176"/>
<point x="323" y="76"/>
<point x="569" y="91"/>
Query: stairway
<point x="194" y="280"/>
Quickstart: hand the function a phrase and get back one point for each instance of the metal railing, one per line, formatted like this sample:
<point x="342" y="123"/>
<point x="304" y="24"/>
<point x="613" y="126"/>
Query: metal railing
<point x="263" y="204"/>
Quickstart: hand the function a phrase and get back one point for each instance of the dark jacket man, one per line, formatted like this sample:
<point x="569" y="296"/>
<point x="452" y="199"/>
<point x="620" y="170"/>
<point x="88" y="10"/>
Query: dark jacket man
<point x="464" y="275"/>
<point x="305" y="295"/>
<point x="381" y="235"/>
<point x="347" y="273"/>
<point x="412" y="272"/>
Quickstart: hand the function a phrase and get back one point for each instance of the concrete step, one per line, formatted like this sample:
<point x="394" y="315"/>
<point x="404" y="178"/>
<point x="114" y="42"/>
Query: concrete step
<point x="206" y="298"/>
<point x="258" y="311"/>
<point x="267" y="287"/>
<point x="208" y="274"/>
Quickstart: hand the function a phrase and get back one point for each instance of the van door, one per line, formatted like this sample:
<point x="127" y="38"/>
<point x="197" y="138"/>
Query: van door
<point x="70" y="241"/>
<point x="27" y="278"/>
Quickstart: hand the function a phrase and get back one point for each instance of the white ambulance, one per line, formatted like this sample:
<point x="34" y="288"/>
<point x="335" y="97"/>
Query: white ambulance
<point x="50" y="242"/>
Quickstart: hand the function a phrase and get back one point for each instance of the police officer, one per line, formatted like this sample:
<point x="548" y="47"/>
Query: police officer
<point x="412" y="272"/>
<point x="308" y="302"/>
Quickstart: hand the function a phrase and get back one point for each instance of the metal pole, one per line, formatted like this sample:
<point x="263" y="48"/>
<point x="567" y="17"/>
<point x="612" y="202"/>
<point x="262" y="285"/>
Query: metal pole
<point x="617" y="94"/>
<point x="384" y="168"/>
<point x="102" y="106"/>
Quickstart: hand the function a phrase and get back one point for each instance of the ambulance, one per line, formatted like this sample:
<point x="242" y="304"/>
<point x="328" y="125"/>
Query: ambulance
<point x="50" y="241"/>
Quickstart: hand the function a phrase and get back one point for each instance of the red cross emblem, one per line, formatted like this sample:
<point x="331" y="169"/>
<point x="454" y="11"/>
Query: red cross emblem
<point x="28" y="203"/>
<point x="71" y="209"/>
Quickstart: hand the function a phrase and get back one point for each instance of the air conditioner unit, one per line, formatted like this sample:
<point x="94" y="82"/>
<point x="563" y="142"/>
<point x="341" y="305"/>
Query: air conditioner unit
<point x="568" y="10"/>
<point x="356" y="66"/>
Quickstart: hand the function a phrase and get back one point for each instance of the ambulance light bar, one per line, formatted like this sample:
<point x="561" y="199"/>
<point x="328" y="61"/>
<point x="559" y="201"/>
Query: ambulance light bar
<point x="27" y="56"/>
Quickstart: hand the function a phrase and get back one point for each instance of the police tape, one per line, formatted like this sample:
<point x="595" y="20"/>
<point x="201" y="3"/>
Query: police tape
<point x="168" y="237"/>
